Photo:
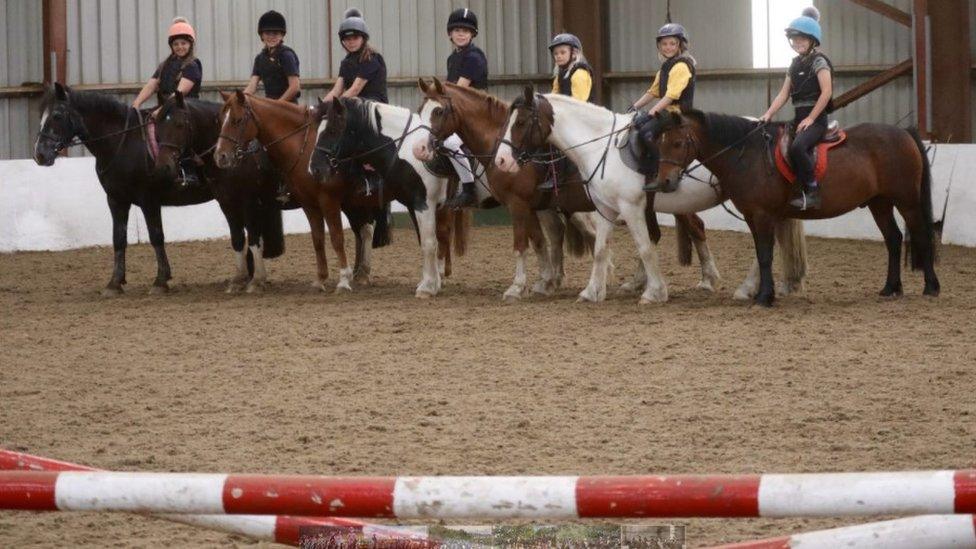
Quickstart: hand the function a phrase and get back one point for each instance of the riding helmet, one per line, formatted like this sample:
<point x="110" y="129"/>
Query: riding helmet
<point x="463" y="18"/>
<point x="272" y="21"/>
<point x="807" y="24"/>
<point x="181" y="28"/>
<point x="353" y="24"/>
<point x="566" y="39"/>
<point x="673" y="29"/>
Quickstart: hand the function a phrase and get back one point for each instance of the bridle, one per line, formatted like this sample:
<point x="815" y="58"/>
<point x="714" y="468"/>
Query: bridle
<point x="241" y="151"/>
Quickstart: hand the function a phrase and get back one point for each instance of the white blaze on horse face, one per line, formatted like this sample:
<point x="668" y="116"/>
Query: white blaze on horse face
<point x="421" y="150"/>
<point x="37" y="140"/>
<point x="504" y="158"/>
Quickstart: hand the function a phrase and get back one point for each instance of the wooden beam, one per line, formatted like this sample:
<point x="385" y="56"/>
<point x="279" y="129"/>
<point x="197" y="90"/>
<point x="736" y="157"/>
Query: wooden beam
<point x="55" y="40"/>
<point x="886" y="10"/>
<point x="864" y="88"/>
<point x="949" y="71"/>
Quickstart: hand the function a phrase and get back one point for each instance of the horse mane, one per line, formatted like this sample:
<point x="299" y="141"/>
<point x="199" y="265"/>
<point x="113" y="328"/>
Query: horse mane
<point x="90" y="101"/>
<point x="496" y="107"/>
<point x="560" y="98"/>
<point x="208" y="107"/>
<point x="727" y="129"/>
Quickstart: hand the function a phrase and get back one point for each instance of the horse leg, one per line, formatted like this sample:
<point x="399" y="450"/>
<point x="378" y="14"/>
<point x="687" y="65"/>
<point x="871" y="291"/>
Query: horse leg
<point x="554" y="231"/>
<point x="154" y="223"/>
<point x="364" y="255"/>
<point x="694" y="228"/>
<point x="317" y="226"/>
<point x="656" y="288"/>
<point x="923" y="246"/>
<point x="520" y="232"/>
<point x="120" y="230"/>
<point x="792" y="243"/>
<point x="445" y="223"/>
<point x="256" y="246"/>
<point x="883" y="211"/>
<point x="237" y="243"/>
<point x="763" y="234"/>
<point x="333" y="218"/>
<point x="596" y="289"/>
<point x="427" y="223"/>
<point x="750" y="286"/>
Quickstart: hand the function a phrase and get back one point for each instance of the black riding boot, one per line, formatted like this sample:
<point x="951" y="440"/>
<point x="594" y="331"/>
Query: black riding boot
<point x="806" y="196"/>
<point x="467" y="197"/>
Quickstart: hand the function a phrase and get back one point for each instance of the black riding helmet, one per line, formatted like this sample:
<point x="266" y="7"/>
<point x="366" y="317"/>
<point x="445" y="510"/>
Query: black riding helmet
<point x="272" y="21"/>
<point x="463" y="18"/>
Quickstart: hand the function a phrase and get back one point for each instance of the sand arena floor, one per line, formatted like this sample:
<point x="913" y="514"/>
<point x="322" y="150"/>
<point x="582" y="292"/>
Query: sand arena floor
<point x="380" y="383"/>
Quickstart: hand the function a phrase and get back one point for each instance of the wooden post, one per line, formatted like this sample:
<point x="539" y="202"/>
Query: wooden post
<point x="55" y="40"/>
<point x="949" y="71"/>
<point x="587" y="20"/>
<point x="921" y="52"/>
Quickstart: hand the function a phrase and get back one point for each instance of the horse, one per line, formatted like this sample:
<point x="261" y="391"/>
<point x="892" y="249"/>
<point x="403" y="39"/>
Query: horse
<point x="287" y="133"/>
<point x="246" y="193"/>
<point x="479" y="118"/>
<point x="352" y="132"/>
<point x="113" y="132"/>
<point x="879" y="166"/>
<point x="586" y="133"/>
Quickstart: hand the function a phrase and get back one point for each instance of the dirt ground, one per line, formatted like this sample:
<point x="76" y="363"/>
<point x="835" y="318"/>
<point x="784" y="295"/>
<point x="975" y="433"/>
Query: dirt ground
<point x="380" y="383"/>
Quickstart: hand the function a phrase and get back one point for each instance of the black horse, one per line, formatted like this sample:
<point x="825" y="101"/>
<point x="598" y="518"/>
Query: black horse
<point x="115" y="134"/>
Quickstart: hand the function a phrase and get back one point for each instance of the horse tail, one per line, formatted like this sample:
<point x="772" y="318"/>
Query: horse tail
<point x="272" y="231"/>
<point x="922" y="247"/>
<point x="462" y="230"/>
<point x="382" y="235"/>
<point x="792" y="241"/>
<point x="578" y="226"/>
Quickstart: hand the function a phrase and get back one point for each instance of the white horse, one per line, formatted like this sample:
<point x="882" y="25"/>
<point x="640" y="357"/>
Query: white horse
<point x="588" y="135"/>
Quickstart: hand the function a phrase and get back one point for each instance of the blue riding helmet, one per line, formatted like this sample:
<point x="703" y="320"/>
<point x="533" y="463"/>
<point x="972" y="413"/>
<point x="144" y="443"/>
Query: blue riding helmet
<point x="673" y="29"/>
<point x="807" y="26"/>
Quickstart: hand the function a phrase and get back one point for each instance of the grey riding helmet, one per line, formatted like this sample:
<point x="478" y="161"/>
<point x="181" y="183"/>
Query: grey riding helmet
<point x="353" y="24"/>
<point x="565" y="39"/>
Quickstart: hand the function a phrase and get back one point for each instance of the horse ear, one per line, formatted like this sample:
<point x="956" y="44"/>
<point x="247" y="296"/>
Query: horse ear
<point x="438" y="86"/>
<point x="528" y="92"/>
<point x="240" y="96"/>
<point x="180" y="102"/>
<point x="337" y="106"/>
<point x="224" y="95"/>
<point x="424" y="87"/>
<point x="60" y="91"/>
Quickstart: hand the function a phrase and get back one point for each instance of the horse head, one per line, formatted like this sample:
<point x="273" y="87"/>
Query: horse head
<point x="174" y="133"/>
<point x="60" y="124"/>
<point x="438" y="110"/>
<point x="674" y="143"/>
<point x="238" y="128"/>
<point x="529" y="126"/>
<point x="331" y="144"/>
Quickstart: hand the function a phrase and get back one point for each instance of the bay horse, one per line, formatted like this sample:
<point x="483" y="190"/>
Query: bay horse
<point x="879" y="166"/>
<point x="287" y="132"/>
<point x="479" y="119"/>
<point x="354" y="132"/>
<point x="588" y="135"/>
<point x="113" y="132"/>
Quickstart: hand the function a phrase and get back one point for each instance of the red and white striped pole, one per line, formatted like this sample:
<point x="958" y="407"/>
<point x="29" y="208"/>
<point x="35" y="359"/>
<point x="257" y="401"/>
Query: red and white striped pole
<point x="282" y="529"/>
<point x="925" y="532"/>
<point x="797" y="495"/>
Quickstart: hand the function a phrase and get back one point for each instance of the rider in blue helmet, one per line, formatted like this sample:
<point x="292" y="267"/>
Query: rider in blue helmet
<point x="809" y="83"/>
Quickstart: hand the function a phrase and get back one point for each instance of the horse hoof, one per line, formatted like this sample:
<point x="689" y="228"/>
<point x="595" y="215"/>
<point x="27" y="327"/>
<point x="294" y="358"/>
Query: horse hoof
<point x="423" y="294"/>
<point x="706" y="285"/>
<point x="891" y="292"/>
<point x="742" y="294"/>
<point x="319" y="285"/>
<point x="343" y="288"/>
<point x="543" y="289"/>
<point x="764" y="301"/>
<point x="112" y="291"/>
<point x="159" y="289"/>
<point x="362" y="280"/>
<point x="255" y="287"/>
<point x="629" y="288"/>
<point x="656" y="297"/>
<point x="931" y="292"/>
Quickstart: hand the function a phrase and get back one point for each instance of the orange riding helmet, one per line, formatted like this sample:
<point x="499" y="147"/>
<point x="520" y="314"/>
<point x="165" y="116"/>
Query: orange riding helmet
<point x="181" y="28"/>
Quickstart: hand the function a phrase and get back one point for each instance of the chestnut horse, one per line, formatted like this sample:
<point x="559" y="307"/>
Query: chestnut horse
<point x="479" y="119"/>
<point x="880" y="166"/>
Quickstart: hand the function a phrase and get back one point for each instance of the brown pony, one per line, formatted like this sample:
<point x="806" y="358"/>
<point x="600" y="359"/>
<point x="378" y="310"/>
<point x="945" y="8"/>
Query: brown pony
<point x="287" y="132"/>
<point x="880" y="166"/>
<point x="479" y="119"/>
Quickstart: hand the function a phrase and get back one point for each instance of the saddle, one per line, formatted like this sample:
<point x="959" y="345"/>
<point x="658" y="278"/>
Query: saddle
<point x="832" y="138"/>
<point x="634" y="151"/>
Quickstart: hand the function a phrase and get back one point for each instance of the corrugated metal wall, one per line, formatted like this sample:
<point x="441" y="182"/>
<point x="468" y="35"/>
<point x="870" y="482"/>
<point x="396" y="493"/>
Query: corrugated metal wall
<point x="121" y="41"/>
